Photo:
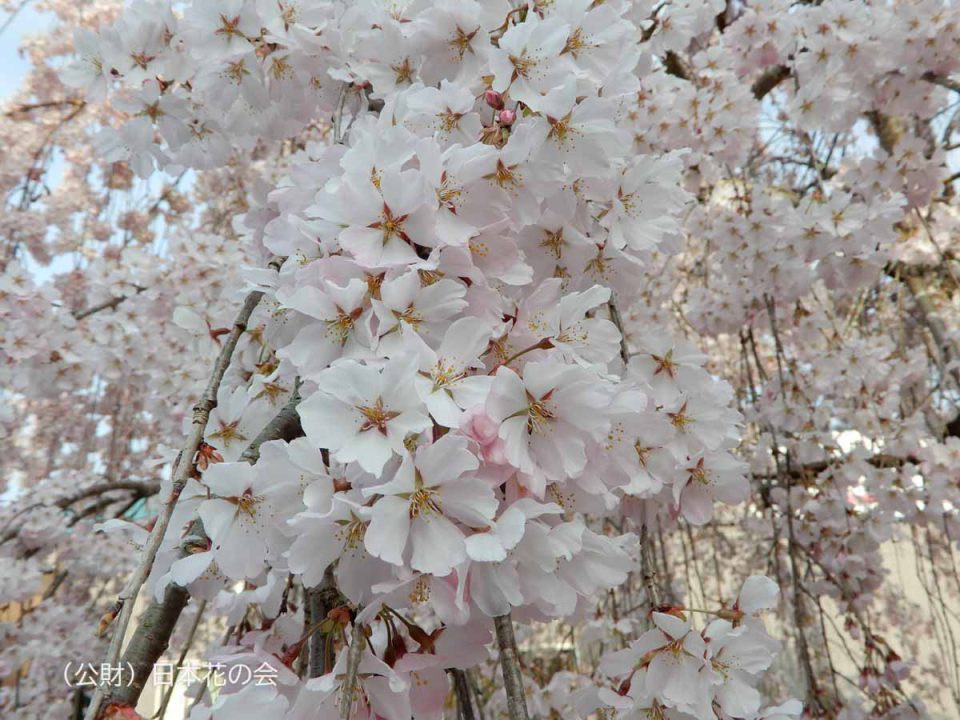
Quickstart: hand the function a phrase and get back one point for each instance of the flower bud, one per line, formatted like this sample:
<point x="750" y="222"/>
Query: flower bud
<point x="507" y="117"/>
<point x="494" y="99"/>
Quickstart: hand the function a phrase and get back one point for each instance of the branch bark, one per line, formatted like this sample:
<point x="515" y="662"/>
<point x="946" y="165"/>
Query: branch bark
<point x="151" y="639"/>
<point x="948" y="347"/>
<point x="510" y="666"/>
<point x="353" y="666"/>
<point x="320" y="601"/>
<point x="182" y="471"/>
<point x="462" y="690"/>
<point x="152" y="634"/>
<point x="888" y="129"/>
<point x="768" y="80"/>
<point x="945" y="82"/>
<point x="105" y="305"/>
<point x="139" y="487"/>
<point x="168" y="694"/>
<point x="677" y="66"/>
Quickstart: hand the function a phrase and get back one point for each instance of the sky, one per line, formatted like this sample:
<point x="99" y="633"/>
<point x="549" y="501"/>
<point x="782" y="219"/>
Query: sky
<point x="12" y="66"/>
<point x="13" y="69"/>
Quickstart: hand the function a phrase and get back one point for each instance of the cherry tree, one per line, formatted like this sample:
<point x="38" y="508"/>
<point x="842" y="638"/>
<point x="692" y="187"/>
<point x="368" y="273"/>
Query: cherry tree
<point x="562" y="359"/>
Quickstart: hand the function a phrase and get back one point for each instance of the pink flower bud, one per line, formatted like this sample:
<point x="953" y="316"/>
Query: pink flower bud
<point x="507" y="117"/>
<point x="479" y="426"/>
<point x="494" y="99"/>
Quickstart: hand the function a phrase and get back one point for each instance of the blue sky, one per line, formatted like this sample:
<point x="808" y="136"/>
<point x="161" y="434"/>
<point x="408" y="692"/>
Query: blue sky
<point x="12" y="66"/>
<point x="13" y="69"/>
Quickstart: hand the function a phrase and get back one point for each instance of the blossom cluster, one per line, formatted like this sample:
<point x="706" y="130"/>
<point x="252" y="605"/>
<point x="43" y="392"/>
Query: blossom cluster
<point x="569" y="299"/>
<point x="447" y="307"/>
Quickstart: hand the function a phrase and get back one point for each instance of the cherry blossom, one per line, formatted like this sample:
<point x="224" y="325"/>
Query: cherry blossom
<point x="484" y="358"/>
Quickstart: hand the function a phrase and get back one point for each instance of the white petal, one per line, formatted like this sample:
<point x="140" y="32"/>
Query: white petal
<point x="386" y="535"/>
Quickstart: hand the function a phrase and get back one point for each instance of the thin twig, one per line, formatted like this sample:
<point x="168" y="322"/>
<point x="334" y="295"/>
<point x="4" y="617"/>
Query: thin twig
<point x="617" y="320"/>
<point x="13" y="16"/>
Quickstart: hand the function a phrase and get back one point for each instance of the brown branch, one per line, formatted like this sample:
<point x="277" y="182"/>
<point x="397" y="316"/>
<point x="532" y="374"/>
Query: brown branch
<point x="180" y="662"/>
<point x="945" y="82"/>
<point x="354" y="653"/>
<point x="510" y="667"/>
<point x="809" y="470"/>
<point x="888" y="129"/>
<point x="462" y="691"/>
<point x="183" y="470"/>
<point x="919" y="289"/>
<point x="617" y="320"/>
<point x="284" y="426"/>
<point x="320" y="600"/>
<point x="677" y="66"/>
<point x="152" y="635"/>
<point x="916" y="277"/>
<point x="151" y="639"/>
<point x="29" y="107"/>
<point x="105" y="305"/>
<point x="34" y="175"/>
<point x="140" y="487"/>
<point x="768" y="80"/>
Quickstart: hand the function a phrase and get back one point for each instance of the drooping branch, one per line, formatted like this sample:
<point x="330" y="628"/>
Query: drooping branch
<point x="139" y="487"/>
<point x="648" y="572"/>
<point x="151" y="639"/>
<point x="916" y="278"/>
<point x="168" y="694"/>
<point x="510" y="667"/>
<point x="105" y="305"/>
<point x="152" y="635"/>
<point x="919" y="289"/>
<point x="647" y="555"/>
<point x="183" y="469"/>
<point x="812" y="469"/>
<point x="320" y="600"/>
<point x="462" y="690"/>
<point x="353" y="666"/>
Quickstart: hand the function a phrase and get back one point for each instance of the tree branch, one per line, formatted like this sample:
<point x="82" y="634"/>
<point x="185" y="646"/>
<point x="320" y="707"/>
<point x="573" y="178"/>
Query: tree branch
<point x="140" y="487"/>
<point x="462" y="691"/>
<point x="320" y="601"/>
<point x="768" y="80"/>
<point x="510" y="666"/>
<point x="152" y="635"/>
<point x="677" y="66"/>
<point x="880" y="460"/>
<point x="182" y="471"/>
<point x="945" y="82"/>
<point x="919" y="289"/>
<point x="105" y="305"/>
<point x="183" y="657"/>
<point x="354" y="654"/>
<point x="151" y="639"/>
